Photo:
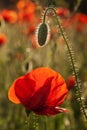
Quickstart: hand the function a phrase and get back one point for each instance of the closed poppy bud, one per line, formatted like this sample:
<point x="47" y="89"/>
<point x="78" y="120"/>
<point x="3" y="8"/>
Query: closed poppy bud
<point x="71" y="82"/>
<point x="42" y="34"/>
<point x="42" y="91"/>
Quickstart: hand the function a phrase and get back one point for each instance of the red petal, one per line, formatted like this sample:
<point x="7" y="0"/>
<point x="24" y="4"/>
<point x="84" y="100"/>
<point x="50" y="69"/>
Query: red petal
<point x="58" y="91"/>
<point x="11" y="94"/>
<point x="40" y="97"/>
<point x="24" y="89"/>
<point x="50" y="111"/>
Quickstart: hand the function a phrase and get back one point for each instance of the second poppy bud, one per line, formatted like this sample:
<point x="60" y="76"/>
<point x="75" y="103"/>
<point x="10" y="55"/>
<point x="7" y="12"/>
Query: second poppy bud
<point x="71" y="81"/>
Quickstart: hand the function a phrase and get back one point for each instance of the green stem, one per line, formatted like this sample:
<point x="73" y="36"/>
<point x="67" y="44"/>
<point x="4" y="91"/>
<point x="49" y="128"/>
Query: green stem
<point x="27" y="122"/>
<point x="35" y="121"/>
<point x="70" y="54"/>
<point x="46" y="122"/>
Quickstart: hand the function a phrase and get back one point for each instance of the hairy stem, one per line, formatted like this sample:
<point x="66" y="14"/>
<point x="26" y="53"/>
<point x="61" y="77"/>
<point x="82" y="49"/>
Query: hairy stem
<point x="71" y="57"/>
<point x="27" y="123"/>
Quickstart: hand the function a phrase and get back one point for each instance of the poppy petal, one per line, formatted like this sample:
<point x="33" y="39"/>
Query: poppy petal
<point x="24" y="89"/>
<point x="58" y="91"/>
<point x="50" y="111"/>
<point x="40" y="97"/>
<point x="11" y="94"/>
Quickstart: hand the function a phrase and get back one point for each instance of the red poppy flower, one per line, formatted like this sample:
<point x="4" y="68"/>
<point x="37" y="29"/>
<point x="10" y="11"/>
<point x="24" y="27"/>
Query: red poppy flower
<point x="21" y="4"/>
<point x="9" y="16"/>
<point x="42" y="91"/>
<point x="78" y="20"/>
<point x="64" y="12"/>
<point x="3" y="39"/>
<point x="27" y="12"/>
<point x="83" y="18"/>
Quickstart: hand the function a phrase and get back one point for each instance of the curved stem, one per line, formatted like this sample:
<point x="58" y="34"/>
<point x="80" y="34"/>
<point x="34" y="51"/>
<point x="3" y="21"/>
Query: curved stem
<point x="70" y="54"/>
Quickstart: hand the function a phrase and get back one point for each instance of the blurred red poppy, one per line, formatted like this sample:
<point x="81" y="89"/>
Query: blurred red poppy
<point x="21" y="4"/>
<point x="3" y="39"/>
<point x="9" y="16"/>
<point x="62" y="12"/>
<point x="26" y="11"/>
<point x="42" y="91"/>
<point x="79" y="21"/>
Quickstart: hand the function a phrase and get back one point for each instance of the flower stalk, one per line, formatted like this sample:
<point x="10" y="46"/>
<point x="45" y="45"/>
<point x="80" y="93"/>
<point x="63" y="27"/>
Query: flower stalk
<point x="71" y="58"/>
<point x="27" y="123"/>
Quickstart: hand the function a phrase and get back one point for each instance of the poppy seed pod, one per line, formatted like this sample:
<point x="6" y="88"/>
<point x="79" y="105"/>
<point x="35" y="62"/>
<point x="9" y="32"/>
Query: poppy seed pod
<point x="42" y="34"/>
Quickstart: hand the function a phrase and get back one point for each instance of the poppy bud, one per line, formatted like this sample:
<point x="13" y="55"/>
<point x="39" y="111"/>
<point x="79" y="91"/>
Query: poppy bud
<point x="42" y="34"/>
<point x="71" y="82"/>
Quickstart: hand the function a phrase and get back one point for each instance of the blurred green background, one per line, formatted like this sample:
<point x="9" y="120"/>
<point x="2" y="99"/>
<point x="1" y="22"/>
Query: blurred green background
<point x="19" y="55"/>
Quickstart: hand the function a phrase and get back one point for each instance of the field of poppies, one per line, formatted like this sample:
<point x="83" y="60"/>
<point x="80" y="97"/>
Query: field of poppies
<point x="43" y="65"/>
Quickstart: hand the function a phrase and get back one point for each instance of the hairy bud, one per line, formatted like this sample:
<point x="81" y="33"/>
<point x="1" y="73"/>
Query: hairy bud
<point x="42" y="34"/>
